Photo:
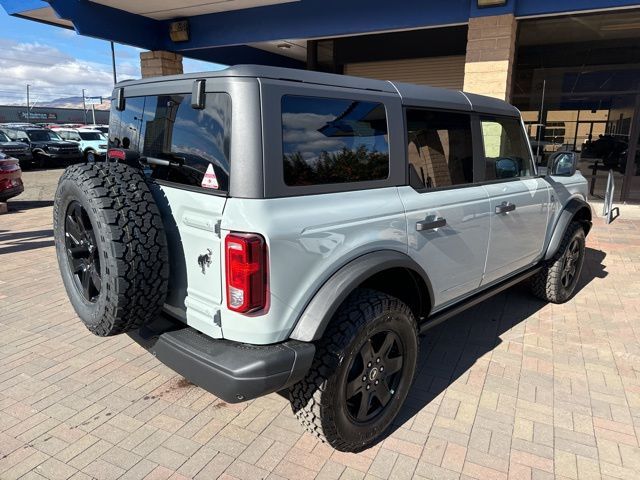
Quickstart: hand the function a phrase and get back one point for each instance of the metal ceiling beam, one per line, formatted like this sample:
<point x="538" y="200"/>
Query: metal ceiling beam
<point x="99" y="21"/>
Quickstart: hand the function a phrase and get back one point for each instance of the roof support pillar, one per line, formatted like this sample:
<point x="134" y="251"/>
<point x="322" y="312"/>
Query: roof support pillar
<point x="491" y="43"/>
<point x="159" y="63"/>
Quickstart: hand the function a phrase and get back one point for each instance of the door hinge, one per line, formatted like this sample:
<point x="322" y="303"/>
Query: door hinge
<point x="216" y="228"/>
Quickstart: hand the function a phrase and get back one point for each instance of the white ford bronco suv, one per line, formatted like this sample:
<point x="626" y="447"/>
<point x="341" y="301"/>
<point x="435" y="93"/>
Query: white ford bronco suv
<point x="262" y="229"/>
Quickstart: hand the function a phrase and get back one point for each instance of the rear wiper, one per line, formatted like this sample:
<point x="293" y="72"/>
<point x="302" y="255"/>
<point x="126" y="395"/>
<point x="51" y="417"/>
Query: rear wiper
<point x="174" y="161"/>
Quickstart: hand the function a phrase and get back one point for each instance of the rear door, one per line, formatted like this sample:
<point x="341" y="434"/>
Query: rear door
<point x="519" y="200"/>
<point x="191" y="192"/>
<point x="447" y="211"/>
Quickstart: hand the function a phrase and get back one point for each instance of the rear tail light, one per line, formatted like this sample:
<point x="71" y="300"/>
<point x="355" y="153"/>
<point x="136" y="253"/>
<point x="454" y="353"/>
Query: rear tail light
<point x="116" y="154"/>
<point x="246" y="259"/>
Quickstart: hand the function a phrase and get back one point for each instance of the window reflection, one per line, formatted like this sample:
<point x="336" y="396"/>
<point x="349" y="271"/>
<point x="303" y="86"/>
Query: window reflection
<point x="333" y="141"/>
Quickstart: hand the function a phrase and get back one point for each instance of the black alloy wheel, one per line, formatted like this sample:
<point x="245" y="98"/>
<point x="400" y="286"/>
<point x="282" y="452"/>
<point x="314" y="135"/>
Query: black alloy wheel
<point x="362" y="371"/>
<point x="82" y="252"/>
<point x="374" y="376"/>
<point x="570" y="264"/>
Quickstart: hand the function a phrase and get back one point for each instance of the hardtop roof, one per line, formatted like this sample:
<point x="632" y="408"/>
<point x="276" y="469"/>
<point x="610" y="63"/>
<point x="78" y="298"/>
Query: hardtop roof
<point x="411" y="95"/>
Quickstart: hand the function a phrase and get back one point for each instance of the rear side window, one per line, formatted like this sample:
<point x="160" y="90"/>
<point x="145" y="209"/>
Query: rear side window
<point x="440" y="148"/>
<point x="506" y="150"/>
<point x="167" y="127"/>
<point x="330" y="140"/>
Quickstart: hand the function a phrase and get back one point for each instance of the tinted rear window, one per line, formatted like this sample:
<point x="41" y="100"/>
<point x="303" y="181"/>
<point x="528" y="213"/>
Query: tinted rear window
<point x="330" y="140"/>
<point x="90" y="136"/>
<point x="167" y="127"/>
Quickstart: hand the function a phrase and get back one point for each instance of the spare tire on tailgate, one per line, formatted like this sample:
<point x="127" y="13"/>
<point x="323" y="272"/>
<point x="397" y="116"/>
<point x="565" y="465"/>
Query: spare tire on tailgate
<point x="111" y="246"/>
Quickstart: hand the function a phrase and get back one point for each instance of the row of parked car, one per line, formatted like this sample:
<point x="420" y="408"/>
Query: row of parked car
<point x="24" y="145"/>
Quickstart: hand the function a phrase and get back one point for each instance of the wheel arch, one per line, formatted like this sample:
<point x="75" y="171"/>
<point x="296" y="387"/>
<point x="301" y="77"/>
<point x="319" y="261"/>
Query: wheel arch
<point x="388" y="271"/>
<point x="576" y="209"/>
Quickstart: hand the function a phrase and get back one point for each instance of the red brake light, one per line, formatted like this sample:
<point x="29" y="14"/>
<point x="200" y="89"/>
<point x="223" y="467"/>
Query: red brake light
<point x="116" y="154"/>
<point x="246" y="259"/>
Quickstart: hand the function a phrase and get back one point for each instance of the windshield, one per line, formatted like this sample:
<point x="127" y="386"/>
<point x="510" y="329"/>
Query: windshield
<point x="90" y="136"/>
<point x="3" y="137"/>
<point x="42" y="135"/>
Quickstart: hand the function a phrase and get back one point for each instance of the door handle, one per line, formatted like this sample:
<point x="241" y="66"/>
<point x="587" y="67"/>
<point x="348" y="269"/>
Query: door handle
<point x="505" y="207"/>
<point x="430" y="224"/>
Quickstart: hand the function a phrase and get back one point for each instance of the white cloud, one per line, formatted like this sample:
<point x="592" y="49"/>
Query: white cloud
<point x="53" y="74"/>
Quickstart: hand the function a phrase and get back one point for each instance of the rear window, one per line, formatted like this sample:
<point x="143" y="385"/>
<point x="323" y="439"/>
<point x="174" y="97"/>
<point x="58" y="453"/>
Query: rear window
<point x="90" y="136"/>
<point x="330" y="140"/>
<point x="167" y="127"/>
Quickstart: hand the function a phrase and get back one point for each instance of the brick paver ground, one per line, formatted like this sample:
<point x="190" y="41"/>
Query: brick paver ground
<point x="511" y="389"/>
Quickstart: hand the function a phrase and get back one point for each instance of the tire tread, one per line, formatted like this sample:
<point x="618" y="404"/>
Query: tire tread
<point x="132" y="232"/>
<point x="308" y="397"/>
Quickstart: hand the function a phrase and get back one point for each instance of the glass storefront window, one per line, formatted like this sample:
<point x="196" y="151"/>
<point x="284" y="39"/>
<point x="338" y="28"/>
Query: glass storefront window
<point x="577" y="81"/>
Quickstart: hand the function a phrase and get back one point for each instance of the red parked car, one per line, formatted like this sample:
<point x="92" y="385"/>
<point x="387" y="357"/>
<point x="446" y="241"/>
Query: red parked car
<point x="10" y="178"/>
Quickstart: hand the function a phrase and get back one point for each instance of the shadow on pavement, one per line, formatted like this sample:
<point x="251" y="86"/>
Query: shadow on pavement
<point x="21" y="205"/>
<point x="450" y="349"/>
<point x="12" y="242"/>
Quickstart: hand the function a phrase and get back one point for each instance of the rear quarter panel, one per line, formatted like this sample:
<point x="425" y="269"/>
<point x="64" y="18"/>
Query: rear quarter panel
<point x="309" y="238"/>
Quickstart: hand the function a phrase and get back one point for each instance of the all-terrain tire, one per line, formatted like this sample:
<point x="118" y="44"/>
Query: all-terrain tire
<point x="549" y="283"/>
<point x="319" y="400"/>
<point x="130" y="246"/>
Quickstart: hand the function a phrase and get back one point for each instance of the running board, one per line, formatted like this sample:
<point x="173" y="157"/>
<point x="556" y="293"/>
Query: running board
<point x="440" y="317"/>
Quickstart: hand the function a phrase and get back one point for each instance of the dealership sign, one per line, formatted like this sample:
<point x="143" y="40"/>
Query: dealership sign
<point x="38" y="116"/>
<point x="93" y="100"/>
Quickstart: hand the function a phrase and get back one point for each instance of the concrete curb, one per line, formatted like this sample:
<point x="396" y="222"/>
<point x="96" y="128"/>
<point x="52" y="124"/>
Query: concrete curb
<point x="3" y="208"/>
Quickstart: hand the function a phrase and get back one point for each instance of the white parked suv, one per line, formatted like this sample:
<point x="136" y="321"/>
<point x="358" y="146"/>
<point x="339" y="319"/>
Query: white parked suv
<point x="92" y="143"/>
<point x="262" y="229"/>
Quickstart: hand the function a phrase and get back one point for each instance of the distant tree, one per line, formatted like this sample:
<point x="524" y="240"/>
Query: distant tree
<point x="346" y="165"/>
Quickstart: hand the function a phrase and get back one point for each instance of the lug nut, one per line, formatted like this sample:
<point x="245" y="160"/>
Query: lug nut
<point x="368" y="387"/>
<point x="376" y="382"/>
<point x="382" y="369"/>
<point x="364" y="379"/>
<point x="377" y="360"/>
<point x="369" y="364"/>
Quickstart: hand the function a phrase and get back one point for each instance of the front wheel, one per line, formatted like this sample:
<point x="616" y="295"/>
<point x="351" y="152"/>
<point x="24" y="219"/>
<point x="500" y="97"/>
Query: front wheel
<point x="557" y="280"/>
<point x="362" y="372"/>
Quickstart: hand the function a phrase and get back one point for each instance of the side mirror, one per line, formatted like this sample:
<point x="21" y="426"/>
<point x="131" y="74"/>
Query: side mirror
<point x="563" y="164"/>
<point x="506" y="168"/>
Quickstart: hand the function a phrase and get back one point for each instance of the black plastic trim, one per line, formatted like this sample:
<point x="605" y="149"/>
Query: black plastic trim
<point x="460" y="307"/>
<point x="317" y="314"/>
<point x="234" y="372"/>
<point x="566" y="216"/>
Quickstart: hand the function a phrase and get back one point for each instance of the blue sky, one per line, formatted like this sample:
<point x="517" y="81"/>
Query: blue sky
<point x="59" y="63"/>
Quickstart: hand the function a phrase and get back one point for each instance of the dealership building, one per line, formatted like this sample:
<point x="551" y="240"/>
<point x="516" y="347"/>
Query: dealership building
<point x="571" y="67"/>
<point x="50" y="115"/>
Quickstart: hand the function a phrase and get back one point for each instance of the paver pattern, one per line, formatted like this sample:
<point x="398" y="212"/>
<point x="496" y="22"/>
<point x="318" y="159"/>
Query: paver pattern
<point x="512" y="389"/>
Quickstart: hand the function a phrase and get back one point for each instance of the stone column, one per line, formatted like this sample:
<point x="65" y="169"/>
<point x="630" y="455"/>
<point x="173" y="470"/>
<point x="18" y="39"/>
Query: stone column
<point x="491" y="44"/>
<point x="158" y="63"/>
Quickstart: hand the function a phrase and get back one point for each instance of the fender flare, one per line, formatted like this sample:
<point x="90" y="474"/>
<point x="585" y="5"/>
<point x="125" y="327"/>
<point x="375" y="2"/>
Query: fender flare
<point x="573" y="207"/>
<point x="319" y="311"/>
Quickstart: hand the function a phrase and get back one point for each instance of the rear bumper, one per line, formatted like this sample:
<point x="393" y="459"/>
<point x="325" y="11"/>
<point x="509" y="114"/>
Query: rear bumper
<point x="9" y="192"/>
<point x="233" y="371"/>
